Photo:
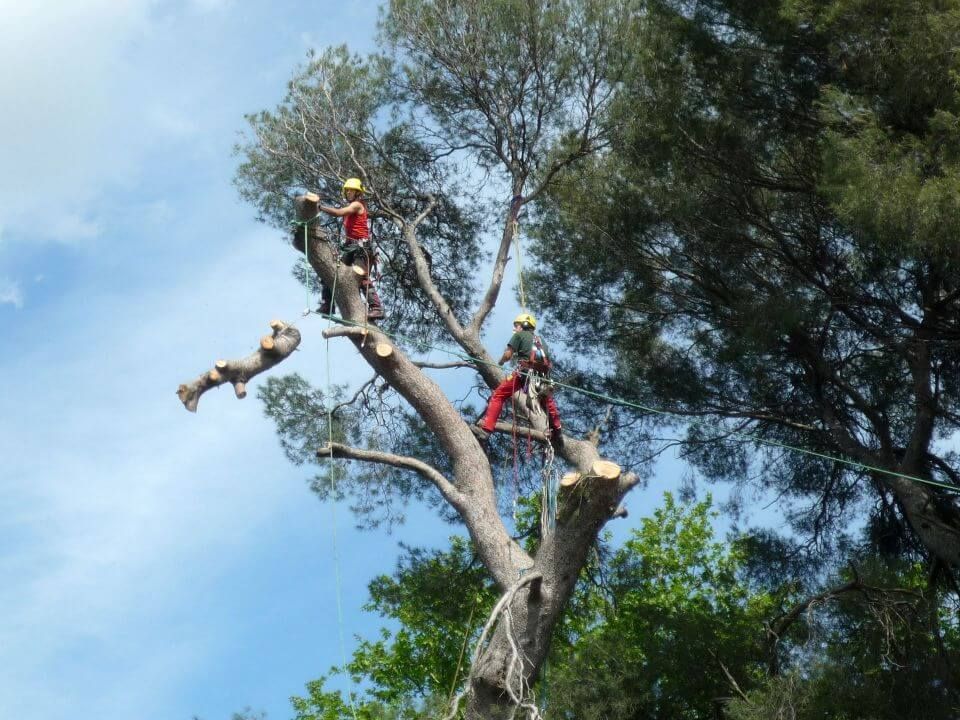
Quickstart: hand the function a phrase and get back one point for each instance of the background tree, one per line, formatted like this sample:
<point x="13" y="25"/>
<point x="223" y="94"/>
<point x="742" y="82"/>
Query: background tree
<point x="774" y="248"/>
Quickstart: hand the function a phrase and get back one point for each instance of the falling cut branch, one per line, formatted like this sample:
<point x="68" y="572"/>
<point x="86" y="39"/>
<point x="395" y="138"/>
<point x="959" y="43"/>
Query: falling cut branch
<point x="273" y="349"/>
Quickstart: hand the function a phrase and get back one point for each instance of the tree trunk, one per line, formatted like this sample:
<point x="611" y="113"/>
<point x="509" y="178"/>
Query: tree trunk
<point x="532" y="613"/>
<point x="935" y="519"/>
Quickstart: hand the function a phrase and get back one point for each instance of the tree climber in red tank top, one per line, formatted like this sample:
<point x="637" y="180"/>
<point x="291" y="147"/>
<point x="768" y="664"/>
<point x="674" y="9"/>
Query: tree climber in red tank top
<point x="357" y="250"/>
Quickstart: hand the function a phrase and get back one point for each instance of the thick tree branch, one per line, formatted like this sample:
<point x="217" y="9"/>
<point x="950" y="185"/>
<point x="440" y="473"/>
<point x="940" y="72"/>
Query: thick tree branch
<point x="467" y="338"/>
<point x="472" y="478"/>
<point x="500" y="261"/>
<point x="428" y="472"/>
<point x="777" y="629"/>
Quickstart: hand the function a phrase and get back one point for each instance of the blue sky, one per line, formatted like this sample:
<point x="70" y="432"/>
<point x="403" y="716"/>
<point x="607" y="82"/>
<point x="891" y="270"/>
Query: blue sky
<point x="153" y="563"/>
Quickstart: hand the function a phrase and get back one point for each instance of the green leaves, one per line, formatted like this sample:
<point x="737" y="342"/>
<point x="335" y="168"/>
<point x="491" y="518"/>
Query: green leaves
<point x="678" y="609"/>
<point x="301" y="415"/>
<point x="440" y="600"/>
<point x="770" y="246"/>
<point x="659" y="626"/>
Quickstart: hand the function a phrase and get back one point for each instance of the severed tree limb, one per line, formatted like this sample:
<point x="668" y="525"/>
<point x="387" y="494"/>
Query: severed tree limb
<point x="340" y="451"/>
<point x="345" y="331"/>
<point x="273" y="349"/>
<point x="445" y="366"/>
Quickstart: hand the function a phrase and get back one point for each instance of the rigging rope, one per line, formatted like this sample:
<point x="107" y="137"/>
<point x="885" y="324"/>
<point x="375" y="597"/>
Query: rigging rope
<point x="463" y="649"/>
<point x="333" y="476"/>
<point x="667" y="413"/>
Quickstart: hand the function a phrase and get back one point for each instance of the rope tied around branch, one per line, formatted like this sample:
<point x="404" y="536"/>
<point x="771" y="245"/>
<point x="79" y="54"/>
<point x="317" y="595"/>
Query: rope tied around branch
<point x="515" y="683"/>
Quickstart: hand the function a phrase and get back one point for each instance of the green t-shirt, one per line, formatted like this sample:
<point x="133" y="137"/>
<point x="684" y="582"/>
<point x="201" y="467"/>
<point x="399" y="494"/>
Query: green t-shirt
<point x="522" y="343"/>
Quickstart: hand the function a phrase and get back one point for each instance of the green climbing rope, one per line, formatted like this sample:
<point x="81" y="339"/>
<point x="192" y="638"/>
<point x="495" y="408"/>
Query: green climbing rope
<point x="668" y="413"/>
<point x="329" y="408"/>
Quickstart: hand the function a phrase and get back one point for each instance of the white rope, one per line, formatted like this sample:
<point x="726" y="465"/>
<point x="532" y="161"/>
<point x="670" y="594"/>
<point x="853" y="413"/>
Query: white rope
<point x="522" y="696"/>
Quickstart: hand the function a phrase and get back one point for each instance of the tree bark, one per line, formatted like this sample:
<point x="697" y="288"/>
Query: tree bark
<point x="470" y="491"/>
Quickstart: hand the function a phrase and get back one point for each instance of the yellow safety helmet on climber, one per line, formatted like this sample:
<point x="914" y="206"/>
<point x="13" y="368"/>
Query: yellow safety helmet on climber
<point x="353" y="184"/>
<point x="526" y="319"/>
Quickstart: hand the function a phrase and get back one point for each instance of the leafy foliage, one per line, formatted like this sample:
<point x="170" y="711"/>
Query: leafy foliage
<point x="438" y="599"/>
<point x="771" y="245"/>
<point x="676" y="612"/>
<point x="662" y="627"/>
<point x="370" y="419"/>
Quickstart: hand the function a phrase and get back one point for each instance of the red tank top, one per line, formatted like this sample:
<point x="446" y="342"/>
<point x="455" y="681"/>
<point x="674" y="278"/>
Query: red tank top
<point x="355" y="226"/>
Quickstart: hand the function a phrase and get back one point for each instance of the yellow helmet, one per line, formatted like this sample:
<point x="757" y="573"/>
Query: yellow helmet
<point x="526" y="319"/>
<point x="354" y="184"/>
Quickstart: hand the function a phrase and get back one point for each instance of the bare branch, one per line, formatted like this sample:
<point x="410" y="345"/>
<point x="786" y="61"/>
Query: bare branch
<point x="428" y="472"/>
<point x="445" y="366"/>
<point x="500" y="261"/>
<point x="362" y="389"/>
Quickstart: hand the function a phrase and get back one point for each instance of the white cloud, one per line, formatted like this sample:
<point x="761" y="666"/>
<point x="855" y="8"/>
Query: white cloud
<point x="119" y="510"/>
<point x="10" y="293"/>
<point x="94" y="89"/>
<point x="65" y="71"/>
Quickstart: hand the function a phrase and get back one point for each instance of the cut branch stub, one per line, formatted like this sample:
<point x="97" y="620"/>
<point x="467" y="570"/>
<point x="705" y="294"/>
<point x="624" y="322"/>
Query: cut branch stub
<point x="308" y="207"/>
<point x="384" y="350"/>
<point x="599" y="470"/>
<point x="606" y="470"/>
<point x="570" y="479"/>
<point x="282" y="343"/>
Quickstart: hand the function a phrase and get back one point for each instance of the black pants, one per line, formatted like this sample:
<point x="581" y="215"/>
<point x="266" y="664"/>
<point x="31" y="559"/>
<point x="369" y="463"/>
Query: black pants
<point x="361" y="255"/>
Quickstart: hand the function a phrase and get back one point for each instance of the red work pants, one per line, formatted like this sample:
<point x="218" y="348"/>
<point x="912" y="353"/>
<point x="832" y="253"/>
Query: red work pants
<point x="505" y="390"/>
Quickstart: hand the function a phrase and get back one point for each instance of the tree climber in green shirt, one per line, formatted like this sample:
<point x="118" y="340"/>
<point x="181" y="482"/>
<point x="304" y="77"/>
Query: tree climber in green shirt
<point x="534" y="357"/>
